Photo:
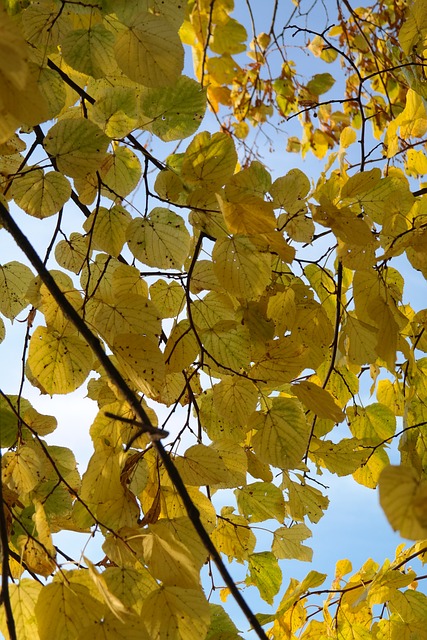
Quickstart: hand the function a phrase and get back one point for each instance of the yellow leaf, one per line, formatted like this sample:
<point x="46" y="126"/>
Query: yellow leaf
<point x="181" y="348"/>
<point x="90" y="51"/>
<point x="240" y="269"/>
<point x="248" y="216"/>
<point x="148" y="50"/>
<point x="318" y="400"/>
<point x="304" y="500"/>
<point x="361" y="183"/>
<point x="160" y="240"/>
<point x="227" y="344"/>
<point x="15" y="278"/>
<point x="283" y="360"/>
<point x="72" y="254"/>
<point x="111" y="627"/>
<point x="287" y="543"/>
<point x="20" y="98"/>
<point x="141" y="359"/>
<point x="115" y="605"/>
<point x="372" y="424"/>
<point x="122" y="173"/>
<point x="41" y="194"/>
<point x="281" y="434"/>
<point x="414" y="26"/>
<point x="342" y="458"/>
<point x="78" y="146"/>
<point x="168" y="298"/>
<point x="209" y="161"/>
<point x="59" y="363"/>
<point x="368" y="475"/>
<point x="107" y="228"/>
<point x="290" y="190"/>
<point x="23" y="597"/>
<point x="127" y="280"/>
<point x="201" y="465"/>
<point x="64" y="610"/>
<point x="131" y="313"/>
<point x="43" y="529"/>
<point x="233" y="456"/>
<point x="176" y="613"/>
<point x="168" y="559"/>
<point x="235" y="398"/>
<point x="261" y="501"/>
<point x="403" y="497"/>
<point x="359" y="341"/>
<point x="232" y="536"/>
<point x="130" y="585"/>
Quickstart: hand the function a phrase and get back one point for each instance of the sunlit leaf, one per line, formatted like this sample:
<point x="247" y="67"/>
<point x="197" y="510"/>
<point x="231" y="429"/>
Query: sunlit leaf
<point x="160" y="240"/>
<point x="403" y="498"/>
<point x="59" y="363"/>
<point x="78" y="146"/>
<point x="149" y="50"/>
<point x="15" y="279"/>
<point x="41" y="194"/>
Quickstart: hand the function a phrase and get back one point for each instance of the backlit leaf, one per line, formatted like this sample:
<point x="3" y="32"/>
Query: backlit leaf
<point x="288" y="541"/>
<point x="149" y="50"/>
<point x="175" y="112"/>
<point x="281" y="433"/>
<point x="403" y="498"/>
<point x="78" y="146"/>
<point x="59" y="363"/>
<point x="41" y="194"/>
<point x="160" y="240"/>
<point x="175" y="613"/>
<point x="15" y="279"/>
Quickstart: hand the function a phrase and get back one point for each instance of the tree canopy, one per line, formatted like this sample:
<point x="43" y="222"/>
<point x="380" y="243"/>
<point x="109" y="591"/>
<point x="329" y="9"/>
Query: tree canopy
<point x="241" y="328"/>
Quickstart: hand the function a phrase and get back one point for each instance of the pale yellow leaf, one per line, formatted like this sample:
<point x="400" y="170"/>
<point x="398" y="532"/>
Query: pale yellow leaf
<point x="160" y="240"/>
<point x="287" y="543"/>
<point x="78" y="146"/>
<point x="15" y="279"/>
<point x="41" y="194"/>
<point x="318" y="400"/>
<point x="107" y="228"/>
<point x="282" y="433"/>
<point x="242" y="271"/>
<point x="59" y="363"/>
<point x="403" y="497"/>
<point x="176" y="613"/>
<point x="149" y="50"/>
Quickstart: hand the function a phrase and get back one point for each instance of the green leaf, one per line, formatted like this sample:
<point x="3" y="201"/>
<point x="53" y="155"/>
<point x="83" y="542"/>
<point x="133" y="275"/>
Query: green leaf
<point x="320" y="83"/>
<point x="265" y="574"/>
<point x="90" y="51"/>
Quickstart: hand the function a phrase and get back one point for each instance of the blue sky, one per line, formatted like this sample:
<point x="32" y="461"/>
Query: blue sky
<point x="353" y="527"/>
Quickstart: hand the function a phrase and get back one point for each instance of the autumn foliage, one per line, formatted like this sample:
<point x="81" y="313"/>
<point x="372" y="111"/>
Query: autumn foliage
<point x="239" y="331"/>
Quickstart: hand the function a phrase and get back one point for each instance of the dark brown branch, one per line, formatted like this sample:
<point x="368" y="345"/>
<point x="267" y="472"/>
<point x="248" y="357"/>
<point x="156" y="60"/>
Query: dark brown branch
<point x="133" y="400"/>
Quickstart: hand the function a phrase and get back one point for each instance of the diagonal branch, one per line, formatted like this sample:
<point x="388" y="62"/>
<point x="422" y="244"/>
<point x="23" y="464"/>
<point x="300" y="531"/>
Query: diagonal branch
<point x="133" y="400"/>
